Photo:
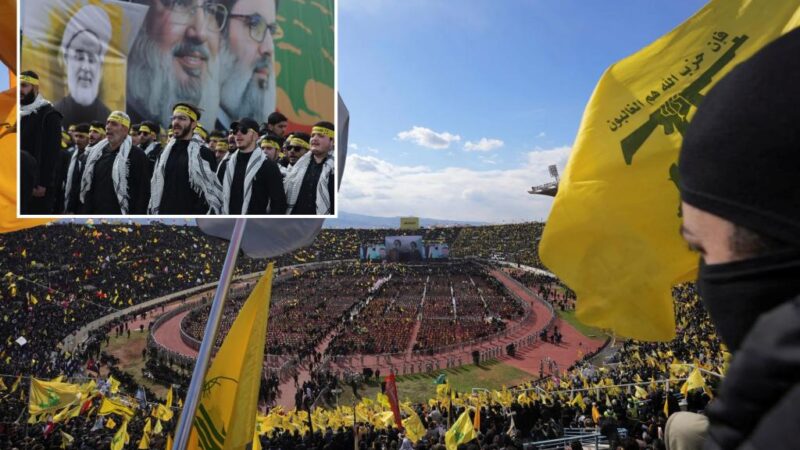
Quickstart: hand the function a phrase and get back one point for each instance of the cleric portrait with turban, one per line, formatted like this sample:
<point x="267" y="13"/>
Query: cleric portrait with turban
<point x="83" y="50"/>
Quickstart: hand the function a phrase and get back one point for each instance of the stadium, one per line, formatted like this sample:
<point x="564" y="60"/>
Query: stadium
<point x="485" y="317"/>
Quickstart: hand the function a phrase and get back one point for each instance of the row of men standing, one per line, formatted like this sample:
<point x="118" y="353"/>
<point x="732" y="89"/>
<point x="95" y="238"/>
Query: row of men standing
<point x="114" y="176"/>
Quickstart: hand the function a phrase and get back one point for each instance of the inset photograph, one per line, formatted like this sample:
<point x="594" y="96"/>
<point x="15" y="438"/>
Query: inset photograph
<point x="177" y="108"/>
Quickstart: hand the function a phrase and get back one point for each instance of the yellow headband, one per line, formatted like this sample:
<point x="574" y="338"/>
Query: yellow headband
<point x="28" y="79"/>
<point x="202" y="132"/>
<point x="221" y="145"/>
<point x="120" y="118"/>
<point x="146" y="129"/>
<point x="97" y="129"/>
<point x="72" y="127"/>
<point x="180" y="109"/>
<point x="269" y="143"/>
<point x="322" y="131"/>
<point x="297" y="142"/>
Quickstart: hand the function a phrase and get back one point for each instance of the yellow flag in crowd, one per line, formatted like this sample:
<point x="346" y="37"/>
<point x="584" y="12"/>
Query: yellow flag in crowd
<point x="596" y="414"/>
<point x="413" y="425"/>
<point x="3" y="386"/>
<point x="120" y="437"/>
<point x="115" y="406"/>
<point x="695" y="381"/>
<point x="164" y="412"/>
<point x="612" y="235"/>
<point x="144" y="443"/>
<point x="15" y="385"/>
<point x="461" y="431"/>
<point x="231" y="386"/>
<point x="51" y="396"/>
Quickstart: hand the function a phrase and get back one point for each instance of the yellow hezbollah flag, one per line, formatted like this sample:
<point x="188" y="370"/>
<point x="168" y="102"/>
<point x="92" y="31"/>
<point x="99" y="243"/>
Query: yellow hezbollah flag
<point x="695" y="381"/>
<point x="230" y="388"/>
<point x="115" y="406"/>
<point x="612" y="234"/>
<point x="51" y="396"/>
<point x="461" y="431"/>
<point x="121" y="437"/>
<point x="413" y="425"/>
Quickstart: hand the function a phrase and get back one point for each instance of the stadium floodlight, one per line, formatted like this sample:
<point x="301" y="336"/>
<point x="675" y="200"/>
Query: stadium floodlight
<point x="553" y="171"/>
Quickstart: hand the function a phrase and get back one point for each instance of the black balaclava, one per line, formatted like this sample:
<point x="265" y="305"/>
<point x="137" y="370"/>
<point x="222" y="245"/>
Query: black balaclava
<point x="741" y="161"/>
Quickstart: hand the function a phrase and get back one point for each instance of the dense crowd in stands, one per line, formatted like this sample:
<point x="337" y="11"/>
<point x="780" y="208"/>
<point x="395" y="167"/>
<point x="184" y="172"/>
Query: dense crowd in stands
<point x="104" y="268"/>
<point x="548" y="288"/>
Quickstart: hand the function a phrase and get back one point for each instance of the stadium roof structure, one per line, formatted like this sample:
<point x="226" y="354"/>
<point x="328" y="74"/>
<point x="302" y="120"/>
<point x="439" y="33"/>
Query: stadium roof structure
<point x="550" y="188"/>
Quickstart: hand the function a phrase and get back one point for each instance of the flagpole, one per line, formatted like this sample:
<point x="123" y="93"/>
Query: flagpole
<point x="209" y="337"/>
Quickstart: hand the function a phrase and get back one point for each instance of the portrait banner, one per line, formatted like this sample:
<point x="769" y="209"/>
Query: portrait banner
<point x="79" y="48"/>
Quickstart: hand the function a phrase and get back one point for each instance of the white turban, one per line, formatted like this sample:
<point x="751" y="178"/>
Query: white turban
<point x="92" y="19"/>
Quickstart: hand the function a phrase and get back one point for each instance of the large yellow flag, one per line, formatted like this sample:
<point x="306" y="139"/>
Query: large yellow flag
<point x="230" y="388"/>
<point x="8" y="124"/>
<point x="461" y="431"/>
<point x="51" y="396"/>
<point x="695" y="381"/>
<point x="612" y="234"/>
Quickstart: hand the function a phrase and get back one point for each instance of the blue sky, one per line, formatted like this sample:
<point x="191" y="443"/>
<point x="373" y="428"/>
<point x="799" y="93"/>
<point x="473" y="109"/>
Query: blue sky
<point x="3" y="77"/>
<point x="458" y="107"/>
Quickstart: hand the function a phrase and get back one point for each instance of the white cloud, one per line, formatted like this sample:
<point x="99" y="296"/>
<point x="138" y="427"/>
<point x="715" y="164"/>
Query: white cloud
<point x="373" y="150"/>
<point x="425" y="137"/>
<point x="541" y="134"/>
<point x="377" y="187"/>
<point x="354" y="146"/>
<point x="484" y="145"/>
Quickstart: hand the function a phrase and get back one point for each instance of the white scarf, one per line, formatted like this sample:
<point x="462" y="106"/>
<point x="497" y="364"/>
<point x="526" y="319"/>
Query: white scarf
<point x="119" y="171"/>
<point x="25" y="110"/>
<point x="294" y="181"/>
<point x="150" y="148"/>
<point x="253" y="165"/>
<point x="202" y="179"/>
<point x="72" y="163"/>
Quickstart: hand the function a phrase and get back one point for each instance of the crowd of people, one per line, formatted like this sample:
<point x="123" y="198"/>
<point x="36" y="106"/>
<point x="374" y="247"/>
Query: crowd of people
<point x="114" y="166"/>
<point x="46" y="297"/>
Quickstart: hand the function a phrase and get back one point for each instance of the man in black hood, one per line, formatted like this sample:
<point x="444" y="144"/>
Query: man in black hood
<point x="741" y="212"/>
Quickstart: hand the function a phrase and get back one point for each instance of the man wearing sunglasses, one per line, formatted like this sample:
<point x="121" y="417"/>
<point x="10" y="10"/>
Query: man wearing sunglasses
<point x="251" y="182"/>
<point x="175" y="58"/>
<point x="296" y="146"/>
<point x="247" y="55"/>
<point x="148" y="140"/>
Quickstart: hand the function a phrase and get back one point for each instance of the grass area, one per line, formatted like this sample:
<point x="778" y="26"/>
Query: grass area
<point x="420" y="387"/>
<point x="590" y="332"/>
<point x="129" y="352"/>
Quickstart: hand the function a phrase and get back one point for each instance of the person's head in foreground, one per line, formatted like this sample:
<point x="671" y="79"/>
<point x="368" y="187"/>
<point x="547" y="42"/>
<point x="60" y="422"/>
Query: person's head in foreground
<point x="741" y="211"/>
<point x="321" y="142"/>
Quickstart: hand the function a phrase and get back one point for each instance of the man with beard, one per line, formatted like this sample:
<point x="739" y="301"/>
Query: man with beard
<point x="77" y="162"/>
<point x="175" y="58"/>
<point x="40" y="136"/>
<point x="298" y="146"/>
<point x="309" y="183"/>
<point x="741" y="213"/>
<point x="218" y="143"/>
<point x="251" y="182"/>
<point x="83" y="50"/>
<point x="277" y="124"/>
<point x="97" y="133"/>
<point x="148" y="140"/>
<point x="248" y="84"/>
<point x="115" y="177"/>
<point x="184" y="179"/>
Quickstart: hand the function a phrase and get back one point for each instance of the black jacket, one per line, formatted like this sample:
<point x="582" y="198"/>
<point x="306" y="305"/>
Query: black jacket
<point x="40" y="135"/>
<point x="758" y="401"/>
